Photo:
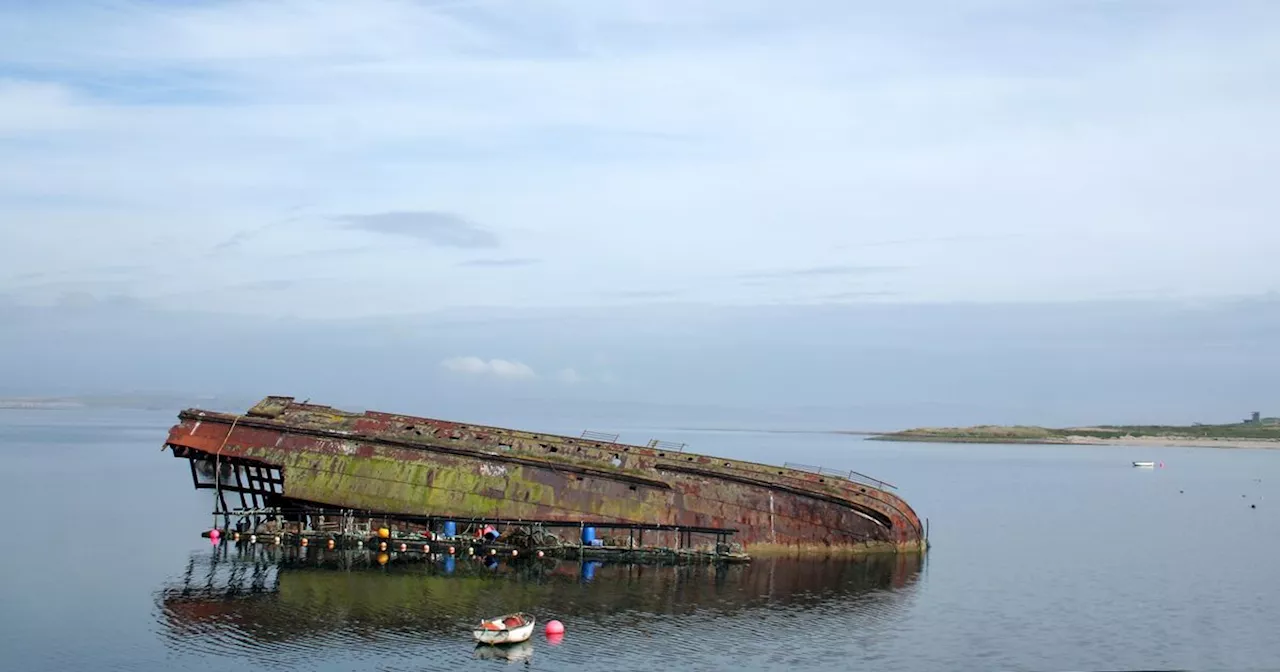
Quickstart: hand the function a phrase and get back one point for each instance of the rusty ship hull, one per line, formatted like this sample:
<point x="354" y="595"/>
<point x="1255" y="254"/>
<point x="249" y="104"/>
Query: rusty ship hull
<point x="282" y="451"/>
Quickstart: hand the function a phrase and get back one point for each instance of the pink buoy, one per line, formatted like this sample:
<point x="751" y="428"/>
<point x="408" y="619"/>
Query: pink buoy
<point x="555" y="628"/>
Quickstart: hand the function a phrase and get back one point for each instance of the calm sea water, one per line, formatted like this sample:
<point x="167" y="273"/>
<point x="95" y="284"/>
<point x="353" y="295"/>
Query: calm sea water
<point x="1044" y="558"/>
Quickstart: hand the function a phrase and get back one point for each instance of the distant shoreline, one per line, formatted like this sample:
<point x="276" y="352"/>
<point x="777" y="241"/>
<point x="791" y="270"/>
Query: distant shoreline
<point x="1241" y="435"/>
<point x="22" y="405"/>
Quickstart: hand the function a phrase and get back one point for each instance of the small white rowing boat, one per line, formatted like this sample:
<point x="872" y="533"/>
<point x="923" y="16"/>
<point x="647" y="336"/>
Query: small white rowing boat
<point x="1144" y="464"/>
<point x="506" y="629"/>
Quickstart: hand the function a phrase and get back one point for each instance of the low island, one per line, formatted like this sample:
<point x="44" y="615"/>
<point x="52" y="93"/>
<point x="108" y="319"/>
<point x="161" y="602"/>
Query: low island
<point x="1256" y="432"/>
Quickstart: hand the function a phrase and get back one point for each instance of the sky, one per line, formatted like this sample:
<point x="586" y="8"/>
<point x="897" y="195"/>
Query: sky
<point x="440" y="177"/>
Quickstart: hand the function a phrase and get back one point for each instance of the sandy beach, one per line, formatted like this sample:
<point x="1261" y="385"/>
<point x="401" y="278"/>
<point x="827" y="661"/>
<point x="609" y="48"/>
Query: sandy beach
<point x="1082" y="440"/>
<point x="1182" y="442"/>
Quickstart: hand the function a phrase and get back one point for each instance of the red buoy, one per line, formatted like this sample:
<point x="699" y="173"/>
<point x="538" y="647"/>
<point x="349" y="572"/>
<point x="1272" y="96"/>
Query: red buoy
<point x="555" y="628"/>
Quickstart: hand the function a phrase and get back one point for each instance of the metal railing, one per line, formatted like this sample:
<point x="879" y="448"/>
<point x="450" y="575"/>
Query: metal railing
<point x="603" y="437"/>
<point x="850" y="475"/>
<point x="666" y="445"/>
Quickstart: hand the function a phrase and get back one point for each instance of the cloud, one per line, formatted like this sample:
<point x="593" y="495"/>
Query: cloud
<point x="27" y="107"/>
<point x="497" y="368"/>
<point x="242" y="237"/>
<point x="570" y="376"/>
<point x="500" y="263"/>
<point x="930" y="240"/>
<point x="443" y="229"/>
<point x="845" y="296"/>
<point x="643" y="294"/>
<point x="991" y="150"/>
<point x="275" y="285"/>
<point x="816" y="271"/>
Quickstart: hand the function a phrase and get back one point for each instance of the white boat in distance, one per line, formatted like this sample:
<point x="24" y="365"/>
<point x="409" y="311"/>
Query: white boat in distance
<point x="1144" y="464"/>
<point x="506" y="629"/>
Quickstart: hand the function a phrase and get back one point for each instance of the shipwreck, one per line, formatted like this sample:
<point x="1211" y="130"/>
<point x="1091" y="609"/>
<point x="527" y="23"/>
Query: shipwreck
<point x="286" y="456"/>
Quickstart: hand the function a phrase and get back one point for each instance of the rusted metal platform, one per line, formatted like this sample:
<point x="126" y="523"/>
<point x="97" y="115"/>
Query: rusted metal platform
<point x="341" y="529"/>
<point x="288" y="455"/>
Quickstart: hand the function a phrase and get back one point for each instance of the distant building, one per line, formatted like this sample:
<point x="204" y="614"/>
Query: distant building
<point x="1257" y="417"/>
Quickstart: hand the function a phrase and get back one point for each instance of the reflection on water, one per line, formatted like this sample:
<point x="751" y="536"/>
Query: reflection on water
<point x="267" y="602"/>
<point x="514" y="653"/>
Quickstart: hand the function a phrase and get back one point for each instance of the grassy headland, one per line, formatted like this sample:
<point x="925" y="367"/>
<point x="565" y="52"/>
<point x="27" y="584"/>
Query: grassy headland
<point x="1264" y="434"/>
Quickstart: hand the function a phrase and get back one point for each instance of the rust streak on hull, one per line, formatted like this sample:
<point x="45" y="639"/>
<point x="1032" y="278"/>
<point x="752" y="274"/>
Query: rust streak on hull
<point x="418" y="466"/>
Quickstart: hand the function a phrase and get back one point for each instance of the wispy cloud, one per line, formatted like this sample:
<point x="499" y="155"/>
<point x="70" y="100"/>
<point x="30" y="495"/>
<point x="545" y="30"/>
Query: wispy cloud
<point x="330" y="252"/>
<point x="25" y="277"/>
<point x="244" y="236"/>
<point x="617" y="142"/>
<point x="570" y="376"/>
<point x="816" y="271"/>
<point x="495" y="368"/>
<point x="846" y="296"/>
<point x="444" y="229"/>
<point x="930" y="240"/>
<point x="642" y="294"/>
<point x="267" y="285"/>
<point x="500" y="263"/>
<point x="27" y="107"/>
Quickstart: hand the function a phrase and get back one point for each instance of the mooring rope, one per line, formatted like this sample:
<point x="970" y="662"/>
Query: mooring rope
<point x="217" y="468"/>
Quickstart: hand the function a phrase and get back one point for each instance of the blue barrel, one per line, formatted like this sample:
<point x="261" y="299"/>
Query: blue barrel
<point x="588" y="535"/>
<point x="450" y="528"/>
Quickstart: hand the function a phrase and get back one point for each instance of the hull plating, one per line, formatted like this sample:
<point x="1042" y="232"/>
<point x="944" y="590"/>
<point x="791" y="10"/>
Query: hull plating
<point x="419" y="466"/>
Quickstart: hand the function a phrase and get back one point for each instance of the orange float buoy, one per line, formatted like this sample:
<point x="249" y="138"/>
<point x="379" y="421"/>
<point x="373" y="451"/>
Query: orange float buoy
<point x="382" y="558"/>
<point x="384" y="533"/>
